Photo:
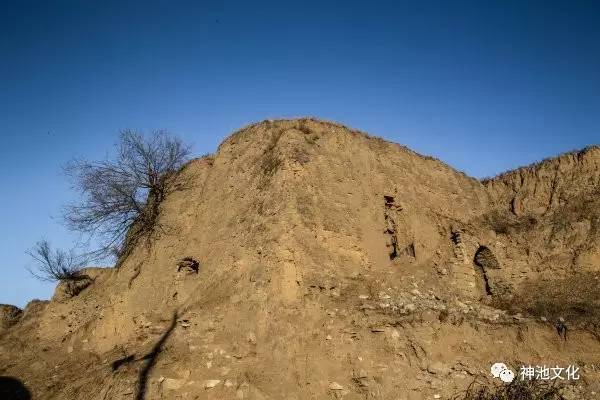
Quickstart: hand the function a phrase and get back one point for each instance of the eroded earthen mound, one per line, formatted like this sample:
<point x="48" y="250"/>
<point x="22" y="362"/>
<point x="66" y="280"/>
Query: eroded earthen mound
<point x="333" y="265"/>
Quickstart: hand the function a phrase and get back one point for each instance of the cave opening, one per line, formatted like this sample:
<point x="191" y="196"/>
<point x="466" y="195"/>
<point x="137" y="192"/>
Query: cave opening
<point x="484" y="260"/>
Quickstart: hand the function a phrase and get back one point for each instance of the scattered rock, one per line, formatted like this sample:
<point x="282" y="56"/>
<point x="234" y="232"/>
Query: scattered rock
<point x="438" y="368"/>
<point x="211" y="383"/>
<point x="361" y="374"/>
<point x="410" y="307"/>
<point x="251" y="337"/>
<point x="186" y="374"/>
<point x="173" y="384"/>
<point x="335" y="386"/>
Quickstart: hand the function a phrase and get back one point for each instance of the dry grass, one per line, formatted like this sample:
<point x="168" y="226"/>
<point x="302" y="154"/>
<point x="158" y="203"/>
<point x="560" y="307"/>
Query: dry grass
<point x="576" y="298"/>
<point x="503" y="222"/>
<point x="306" y="124"/>
<point x="540" y="164"/>
<point x="271" y="161"/>
<point x="517" y="390"/>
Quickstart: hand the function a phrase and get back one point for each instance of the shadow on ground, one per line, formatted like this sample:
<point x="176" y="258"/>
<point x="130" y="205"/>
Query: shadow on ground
<point x="13" y="389"/>
<point x="151" y="358"/>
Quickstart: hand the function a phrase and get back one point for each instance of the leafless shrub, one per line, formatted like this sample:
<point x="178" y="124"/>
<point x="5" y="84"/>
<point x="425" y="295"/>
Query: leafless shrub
<point x="300" y="156"/>
<point x="271" y="160"/>
<point x="303" y="127"/>
<point x="516" y="390"/>
<point x="121" y="197"/>
<point x="55" y="265"/>
<point x="271" y="164"/>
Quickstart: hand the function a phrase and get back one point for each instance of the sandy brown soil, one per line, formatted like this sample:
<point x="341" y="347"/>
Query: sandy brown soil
<point x="332" y="265"/>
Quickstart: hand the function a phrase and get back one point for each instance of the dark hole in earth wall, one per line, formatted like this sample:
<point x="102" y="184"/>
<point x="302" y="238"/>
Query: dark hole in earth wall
<point x="484" y="260"/>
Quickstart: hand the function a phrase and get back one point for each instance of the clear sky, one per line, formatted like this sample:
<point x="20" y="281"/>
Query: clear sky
<point x="484" y="85"/>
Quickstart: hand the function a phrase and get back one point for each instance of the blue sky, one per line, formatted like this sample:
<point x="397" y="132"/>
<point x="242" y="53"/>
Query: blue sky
<point x="483" y="85"/>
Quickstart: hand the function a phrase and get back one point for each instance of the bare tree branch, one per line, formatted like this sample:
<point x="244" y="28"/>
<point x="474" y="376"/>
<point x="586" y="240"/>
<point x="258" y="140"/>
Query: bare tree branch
<point x="57" y="265"/>
<point x="121" y="198"/>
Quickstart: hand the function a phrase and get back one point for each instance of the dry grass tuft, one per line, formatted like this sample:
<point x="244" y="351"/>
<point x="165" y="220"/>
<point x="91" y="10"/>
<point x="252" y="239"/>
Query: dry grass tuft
<point x="517" y="390"/>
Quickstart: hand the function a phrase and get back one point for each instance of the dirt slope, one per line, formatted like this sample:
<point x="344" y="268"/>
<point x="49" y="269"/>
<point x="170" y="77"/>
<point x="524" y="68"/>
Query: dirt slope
<point x="331" y="265"/>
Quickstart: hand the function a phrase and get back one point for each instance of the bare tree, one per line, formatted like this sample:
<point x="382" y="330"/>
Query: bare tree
<point x="57" y="265"/>
<point x="121" y="197"/>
